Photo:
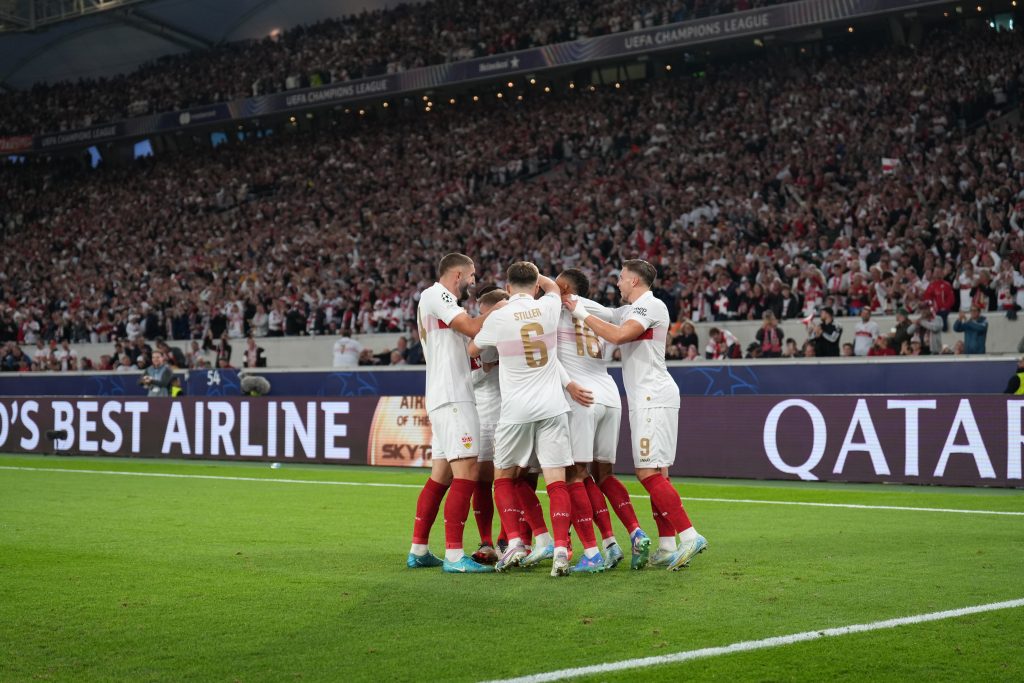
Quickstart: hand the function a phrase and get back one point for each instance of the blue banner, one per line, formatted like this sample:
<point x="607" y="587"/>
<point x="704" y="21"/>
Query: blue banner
<point x="730" y="379"/>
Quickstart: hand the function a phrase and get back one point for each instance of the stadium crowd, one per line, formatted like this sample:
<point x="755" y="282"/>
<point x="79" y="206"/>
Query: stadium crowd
<point x="757" y="188"/>
<point x="368" y="44"/>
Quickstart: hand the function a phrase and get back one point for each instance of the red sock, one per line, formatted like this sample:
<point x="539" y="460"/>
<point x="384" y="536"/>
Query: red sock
<point x="508" y="507"/>
<point x="602" y="519"/>
<point x="427" y="506"/>
<point x="483" y="510"/>
<point x="525" y="532"/>
<point x="561" y="512"/>
<point x="530" y="505"/>
<point x="582" y="514"/>
<point x="618" y="498"/>
<point x="664" y="495"/>
<point x="456" y="510"/>
<point x="665" y="528"/>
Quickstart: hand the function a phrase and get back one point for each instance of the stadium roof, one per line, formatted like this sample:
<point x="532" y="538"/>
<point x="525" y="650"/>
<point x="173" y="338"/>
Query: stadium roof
<point x="106" y="37"/>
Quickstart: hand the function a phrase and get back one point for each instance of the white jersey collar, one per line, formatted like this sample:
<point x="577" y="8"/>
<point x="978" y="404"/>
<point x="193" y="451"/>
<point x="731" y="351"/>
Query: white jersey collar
<point x="642" y="297"/>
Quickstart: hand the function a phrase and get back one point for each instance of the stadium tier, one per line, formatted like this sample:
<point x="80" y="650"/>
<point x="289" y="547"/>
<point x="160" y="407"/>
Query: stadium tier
<point x="338" y="50"/>
<point x="875" y="178"/>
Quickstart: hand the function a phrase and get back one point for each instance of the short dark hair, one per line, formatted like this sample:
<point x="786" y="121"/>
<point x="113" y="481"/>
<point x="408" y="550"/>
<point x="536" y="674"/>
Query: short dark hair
<point x="578" y="280"/>
<point x="491" y="297"/>
<point x="453" y="260"/>
<point x="645" y="270"/>
<point x="522" y="274"/>
<point x="484" y="289"/>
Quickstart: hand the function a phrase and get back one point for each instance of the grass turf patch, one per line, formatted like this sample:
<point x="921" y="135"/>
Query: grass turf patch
<point x="119" y="577"/>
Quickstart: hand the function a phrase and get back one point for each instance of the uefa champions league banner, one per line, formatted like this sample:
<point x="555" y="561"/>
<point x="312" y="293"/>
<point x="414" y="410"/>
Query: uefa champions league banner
<point x="682" y="35"/>
<point x="944" y="440"/>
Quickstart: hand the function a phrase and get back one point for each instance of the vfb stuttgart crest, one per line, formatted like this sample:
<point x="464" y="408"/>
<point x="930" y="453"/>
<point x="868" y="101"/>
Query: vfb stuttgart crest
<point x="467" y="441"/>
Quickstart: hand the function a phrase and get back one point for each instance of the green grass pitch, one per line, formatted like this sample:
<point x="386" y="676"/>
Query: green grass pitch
<point x="109" y="577"/>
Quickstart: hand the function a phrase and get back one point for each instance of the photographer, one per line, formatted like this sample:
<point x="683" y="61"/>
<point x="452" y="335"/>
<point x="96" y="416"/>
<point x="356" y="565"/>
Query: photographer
<point x="157" y="377"/>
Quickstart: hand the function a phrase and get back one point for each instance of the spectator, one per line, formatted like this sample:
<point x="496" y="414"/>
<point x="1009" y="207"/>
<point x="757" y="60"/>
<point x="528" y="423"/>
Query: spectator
<point x="882" y="347"/>
<point x="903" y="331"/>
<point x="260" y="324"/>
<point x="347" y="351"/>
<point x="826" y="334"/>
<point x="975" y="330"/>
<point x="928" y="329"/>
<point x="722" y="344"/>
<point x="769" y="337"/>
<point x="865" y="333"/>
<point x="1016" y="383"/>
<point x="941" y="294"/>
<point x="684" y="337"/>
<point x="222" y="350"/>
<point x="254" y="357"/>
<point x="414" y="356"/>
<point x="157" y="377"/>
<point x="791" y="351"/>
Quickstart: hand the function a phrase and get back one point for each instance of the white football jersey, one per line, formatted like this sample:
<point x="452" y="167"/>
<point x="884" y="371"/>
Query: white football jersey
<point x="448" y="368"/>
<point x="584" y="355"/>
<point x="487" y="387"/>
<point x="644" y="374"/>
<point x="525" y="334"/>
<point x="346" y="353"/>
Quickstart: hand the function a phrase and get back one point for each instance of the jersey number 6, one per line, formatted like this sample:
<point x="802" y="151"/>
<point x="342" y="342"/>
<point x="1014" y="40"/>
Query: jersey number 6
<point x="535" y="351"/>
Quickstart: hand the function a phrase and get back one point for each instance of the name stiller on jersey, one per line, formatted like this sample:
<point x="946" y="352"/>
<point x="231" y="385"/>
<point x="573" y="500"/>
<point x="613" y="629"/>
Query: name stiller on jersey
<point x="525" y="335"/>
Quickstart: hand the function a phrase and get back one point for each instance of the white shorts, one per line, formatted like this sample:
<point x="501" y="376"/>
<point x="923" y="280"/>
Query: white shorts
<point x="653" y="434"/>
<point x="487" y="442"/>
<point x="594" y="432"/>
<point x="515" y="444"/>
<point x="455" y="431"/>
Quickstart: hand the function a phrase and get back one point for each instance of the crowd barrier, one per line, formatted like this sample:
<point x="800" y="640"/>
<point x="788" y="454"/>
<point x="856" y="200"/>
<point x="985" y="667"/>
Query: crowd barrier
<point x="1004" y="336"/>
<point x="929" y="374"/>
<point x="965" y="440"/>
<point x="928" y="421"/>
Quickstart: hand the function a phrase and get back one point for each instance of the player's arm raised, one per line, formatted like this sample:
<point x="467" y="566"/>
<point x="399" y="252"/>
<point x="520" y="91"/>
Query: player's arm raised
<point x="464" y="324"/>
<point x="616" y="334"/>
<point x="484" y="338"/>
<point x="548" y="286"/>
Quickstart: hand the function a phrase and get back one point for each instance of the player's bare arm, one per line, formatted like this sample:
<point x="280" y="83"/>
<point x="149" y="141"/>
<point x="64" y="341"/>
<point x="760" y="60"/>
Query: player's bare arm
<point x="548" y="286"/>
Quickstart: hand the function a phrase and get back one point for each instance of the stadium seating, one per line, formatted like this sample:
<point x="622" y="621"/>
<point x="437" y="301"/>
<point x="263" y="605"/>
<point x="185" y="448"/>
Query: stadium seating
<point x="761" y="174"/>
<point x="372" y="43"/>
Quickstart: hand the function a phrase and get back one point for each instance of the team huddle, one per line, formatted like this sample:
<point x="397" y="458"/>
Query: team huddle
<point x="523" y="389"/>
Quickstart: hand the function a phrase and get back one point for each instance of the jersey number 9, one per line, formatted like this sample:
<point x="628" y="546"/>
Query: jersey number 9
<point x="534" y="350"/>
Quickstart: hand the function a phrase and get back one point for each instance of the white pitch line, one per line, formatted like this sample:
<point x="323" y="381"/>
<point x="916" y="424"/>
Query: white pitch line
<point x="765" y="643"/>
<point x="748" y="501"/>
<point x="854" y="506"/>
<point x="211" y="476"/>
